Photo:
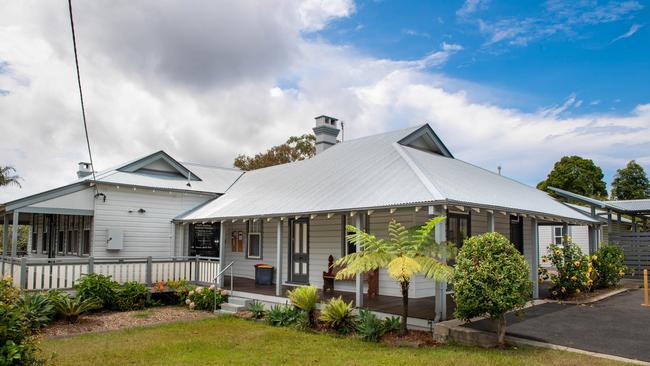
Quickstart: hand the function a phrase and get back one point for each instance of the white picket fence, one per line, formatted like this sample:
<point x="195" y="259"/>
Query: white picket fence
<point x="62" y="273"/>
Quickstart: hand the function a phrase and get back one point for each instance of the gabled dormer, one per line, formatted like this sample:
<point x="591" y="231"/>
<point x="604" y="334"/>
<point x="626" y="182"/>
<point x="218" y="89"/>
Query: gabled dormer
<point x="159" y="163"/>
<point x="426" y="140"/>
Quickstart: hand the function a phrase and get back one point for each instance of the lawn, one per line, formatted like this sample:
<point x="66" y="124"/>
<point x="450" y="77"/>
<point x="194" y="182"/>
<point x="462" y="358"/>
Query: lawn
<point x="234" y="341"/>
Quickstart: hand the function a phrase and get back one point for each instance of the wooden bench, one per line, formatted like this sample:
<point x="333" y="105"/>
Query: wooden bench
<point x="372" y="278"/>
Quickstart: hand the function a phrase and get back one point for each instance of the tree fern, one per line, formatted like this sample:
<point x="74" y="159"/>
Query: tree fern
<point x="406" y="253"/>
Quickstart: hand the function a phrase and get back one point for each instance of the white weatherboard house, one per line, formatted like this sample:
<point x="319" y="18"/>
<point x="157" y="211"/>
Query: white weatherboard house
<point x="293" y="216"/>
<point x="127" y="211"/>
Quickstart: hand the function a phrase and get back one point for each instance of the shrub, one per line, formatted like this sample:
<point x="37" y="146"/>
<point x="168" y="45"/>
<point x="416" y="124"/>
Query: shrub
<point x="71" y="308"/>
<point x="305" y="299"/>
<point x="491" y="278"/>
<point x="37" y="309"/>
<point x="369" y="326"/>
<point x="608" y="264"/>
<point x="16" y="344"/>
<point x="257" y="309"/>
<point x="391" y="323"/>
<point x="97" y="286"/>
<point x="284" y="316"/>
<point x="181" y="288"/>
<point x="205" y="298"/>
<point x="132" y="296"/>
<point x="337" y="314"/>
<point x="8" y="292"/>
<point x="574" y="272"/>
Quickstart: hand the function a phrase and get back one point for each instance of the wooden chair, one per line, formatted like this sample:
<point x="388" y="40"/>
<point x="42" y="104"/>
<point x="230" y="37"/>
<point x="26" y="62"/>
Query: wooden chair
<point x="329" y="277"/>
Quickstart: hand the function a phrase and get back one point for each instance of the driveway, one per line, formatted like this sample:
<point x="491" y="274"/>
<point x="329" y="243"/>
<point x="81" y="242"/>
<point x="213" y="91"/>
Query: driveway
<point x="617" y="326"/>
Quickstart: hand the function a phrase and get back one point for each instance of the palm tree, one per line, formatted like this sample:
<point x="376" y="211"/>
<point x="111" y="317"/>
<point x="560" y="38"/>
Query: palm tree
<point x="404" y="254"/>
<point x="7" y="177"/>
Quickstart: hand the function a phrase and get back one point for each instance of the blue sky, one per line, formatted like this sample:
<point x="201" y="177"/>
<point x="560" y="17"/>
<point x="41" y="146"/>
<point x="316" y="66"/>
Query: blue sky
<point x="550" y="51"/>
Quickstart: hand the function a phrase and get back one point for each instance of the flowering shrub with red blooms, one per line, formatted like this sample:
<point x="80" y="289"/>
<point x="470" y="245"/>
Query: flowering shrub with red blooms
<point x="203" y="298"/>
<point x="574" y="270"/>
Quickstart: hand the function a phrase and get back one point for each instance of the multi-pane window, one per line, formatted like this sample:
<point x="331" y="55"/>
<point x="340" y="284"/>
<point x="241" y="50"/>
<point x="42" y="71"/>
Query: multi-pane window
<point x="85" y="245"/>
<point x="458" y="228"/>
<point x="348" y="246"/>
<point x="558" y="236"/>
<point x="254" y="248"/>
<point x="34" y="233"/>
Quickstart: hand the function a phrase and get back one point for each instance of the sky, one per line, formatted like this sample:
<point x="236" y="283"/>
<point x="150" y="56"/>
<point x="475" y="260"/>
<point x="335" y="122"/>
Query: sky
<point x="510" y="84"/>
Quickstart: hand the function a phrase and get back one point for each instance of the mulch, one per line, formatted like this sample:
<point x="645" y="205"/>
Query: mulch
<point x="110" y="320"/>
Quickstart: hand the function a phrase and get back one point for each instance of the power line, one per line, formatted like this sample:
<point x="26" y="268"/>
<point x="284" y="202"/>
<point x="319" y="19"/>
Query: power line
<point x="81" y="95"/>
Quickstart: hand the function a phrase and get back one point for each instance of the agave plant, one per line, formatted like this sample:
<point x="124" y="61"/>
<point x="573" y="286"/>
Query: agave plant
<point x="305" y="299"/>
<point x="257" y="310"/>
<point x="71" y="308"/>
<point x="404" y="254"/>
<point x="337" y="314"/>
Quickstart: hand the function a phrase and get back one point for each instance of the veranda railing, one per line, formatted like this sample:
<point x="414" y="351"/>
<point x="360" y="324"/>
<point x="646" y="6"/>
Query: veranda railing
<point x="61" y="273"/>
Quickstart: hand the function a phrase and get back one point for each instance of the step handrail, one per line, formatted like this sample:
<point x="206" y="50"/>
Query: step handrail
<point x="216" y="284"/>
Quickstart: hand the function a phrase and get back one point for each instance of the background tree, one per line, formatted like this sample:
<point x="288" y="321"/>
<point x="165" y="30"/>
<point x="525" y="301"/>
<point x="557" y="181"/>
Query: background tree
<point x="296" y="148"/>
<point x="405" y="254"/>
<point x="491" y="278"/>
<point x="630" y="183"/>
<point x="8" y="176"/>
<point x="577" y="175"/>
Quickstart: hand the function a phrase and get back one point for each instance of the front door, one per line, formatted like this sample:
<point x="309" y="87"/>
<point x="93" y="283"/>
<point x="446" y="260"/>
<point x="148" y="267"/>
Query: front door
<point x="517" y="232"/>
<point x="299" y="251"/>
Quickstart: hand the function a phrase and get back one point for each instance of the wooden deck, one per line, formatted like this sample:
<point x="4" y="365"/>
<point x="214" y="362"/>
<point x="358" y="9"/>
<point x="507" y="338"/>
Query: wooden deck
<point x="423" y="308"/>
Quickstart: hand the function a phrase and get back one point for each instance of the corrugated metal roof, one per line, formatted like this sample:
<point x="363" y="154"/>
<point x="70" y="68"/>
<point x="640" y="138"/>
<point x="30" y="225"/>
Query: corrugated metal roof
<point x="632" y="205"/>
<point x="370" y="172"/>
<point x="213" y="179"/>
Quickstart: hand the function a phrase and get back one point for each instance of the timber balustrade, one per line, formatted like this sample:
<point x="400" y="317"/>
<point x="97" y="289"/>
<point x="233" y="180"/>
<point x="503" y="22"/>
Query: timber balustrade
<point x="61" y="273"/>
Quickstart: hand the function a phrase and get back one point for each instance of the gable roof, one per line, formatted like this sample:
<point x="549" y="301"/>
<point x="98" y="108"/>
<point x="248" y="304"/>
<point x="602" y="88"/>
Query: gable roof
<point x="158" y="170"/>
<point x="378" y="171"/>
<point x="159" y="162"/>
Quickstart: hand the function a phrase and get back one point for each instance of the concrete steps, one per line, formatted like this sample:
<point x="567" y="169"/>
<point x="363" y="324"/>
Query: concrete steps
<point x="234" y="305"/>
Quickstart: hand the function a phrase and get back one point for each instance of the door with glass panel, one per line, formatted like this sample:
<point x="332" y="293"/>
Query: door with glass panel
<point x="299" y="251"/>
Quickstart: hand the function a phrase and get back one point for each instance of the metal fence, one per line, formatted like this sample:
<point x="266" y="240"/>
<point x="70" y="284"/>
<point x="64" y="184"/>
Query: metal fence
<point x="61" y="273"/>
<point x="636" y="247"/>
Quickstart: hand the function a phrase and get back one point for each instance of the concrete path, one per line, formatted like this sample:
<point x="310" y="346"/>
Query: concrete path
<point x="617" y="326"/>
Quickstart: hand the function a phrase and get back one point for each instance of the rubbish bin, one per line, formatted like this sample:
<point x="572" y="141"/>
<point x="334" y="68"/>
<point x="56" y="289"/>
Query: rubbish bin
<point x="263" y="274"/>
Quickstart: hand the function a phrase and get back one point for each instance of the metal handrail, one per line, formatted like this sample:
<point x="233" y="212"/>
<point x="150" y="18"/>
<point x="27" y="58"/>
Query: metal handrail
<point x="216" y="279"/>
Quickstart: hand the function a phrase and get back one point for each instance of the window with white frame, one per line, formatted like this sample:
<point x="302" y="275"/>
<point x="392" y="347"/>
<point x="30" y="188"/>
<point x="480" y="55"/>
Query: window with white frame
<point x="254" y="242"/>
<point x="558" y="236"/>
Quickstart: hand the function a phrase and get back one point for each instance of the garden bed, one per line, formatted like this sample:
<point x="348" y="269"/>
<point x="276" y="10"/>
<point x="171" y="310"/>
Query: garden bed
<point x="112" y="320"/>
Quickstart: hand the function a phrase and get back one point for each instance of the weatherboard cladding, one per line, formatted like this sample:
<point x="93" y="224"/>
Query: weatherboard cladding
<point x="371" y="172"/>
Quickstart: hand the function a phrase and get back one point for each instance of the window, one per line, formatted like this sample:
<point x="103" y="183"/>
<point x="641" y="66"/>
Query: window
<point x="60" y="244"/>
<point x="46" y="235"/>
<point x="254" y="248"/>
<point x="458" y="228"/>
<point x="85" y="245"/>
<point x="558" y="236"/>
<point x="34" y="233"/>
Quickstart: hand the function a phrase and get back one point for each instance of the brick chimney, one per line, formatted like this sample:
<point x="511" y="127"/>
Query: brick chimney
<point x="85" y="169"/>
<point x="326" y="132"/>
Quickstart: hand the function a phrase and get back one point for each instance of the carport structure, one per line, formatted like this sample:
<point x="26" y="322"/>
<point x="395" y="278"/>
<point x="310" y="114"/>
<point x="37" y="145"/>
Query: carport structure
<point x="635" y="241"/>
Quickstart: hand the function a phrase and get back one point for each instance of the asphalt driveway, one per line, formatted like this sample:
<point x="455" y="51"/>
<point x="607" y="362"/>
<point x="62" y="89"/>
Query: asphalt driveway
<point x="617" y="326"/>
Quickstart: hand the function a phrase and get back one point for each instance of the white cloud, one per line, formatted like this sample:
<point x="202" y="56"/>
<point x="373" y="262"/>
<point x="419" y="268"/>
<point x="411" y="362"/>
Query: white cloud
<point x="471" y="6"/>
<point x="565" y="18"/>
<point x="633" y="29"/>
<point x="207" y="87"/>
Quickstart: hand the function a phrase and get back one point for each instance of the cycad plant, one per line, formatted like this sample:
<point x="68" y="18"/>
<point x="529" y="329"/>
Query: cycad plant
<point x="305" y="299"/>
<point x="71" y="308"/>
<point x="337" y="314"/>
<point x="406" y="253"/>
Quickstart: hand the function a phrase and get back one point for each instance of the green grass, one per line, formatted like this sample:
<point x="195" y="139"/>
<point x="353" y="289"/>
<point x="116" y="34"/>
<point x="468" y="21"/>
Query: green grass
<point x="238" y="342"/>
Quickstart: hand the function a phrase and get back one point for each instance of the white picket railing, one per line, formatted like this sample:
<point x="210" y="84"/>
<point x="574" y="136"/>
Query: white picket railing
<point x="62" y="273"/>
